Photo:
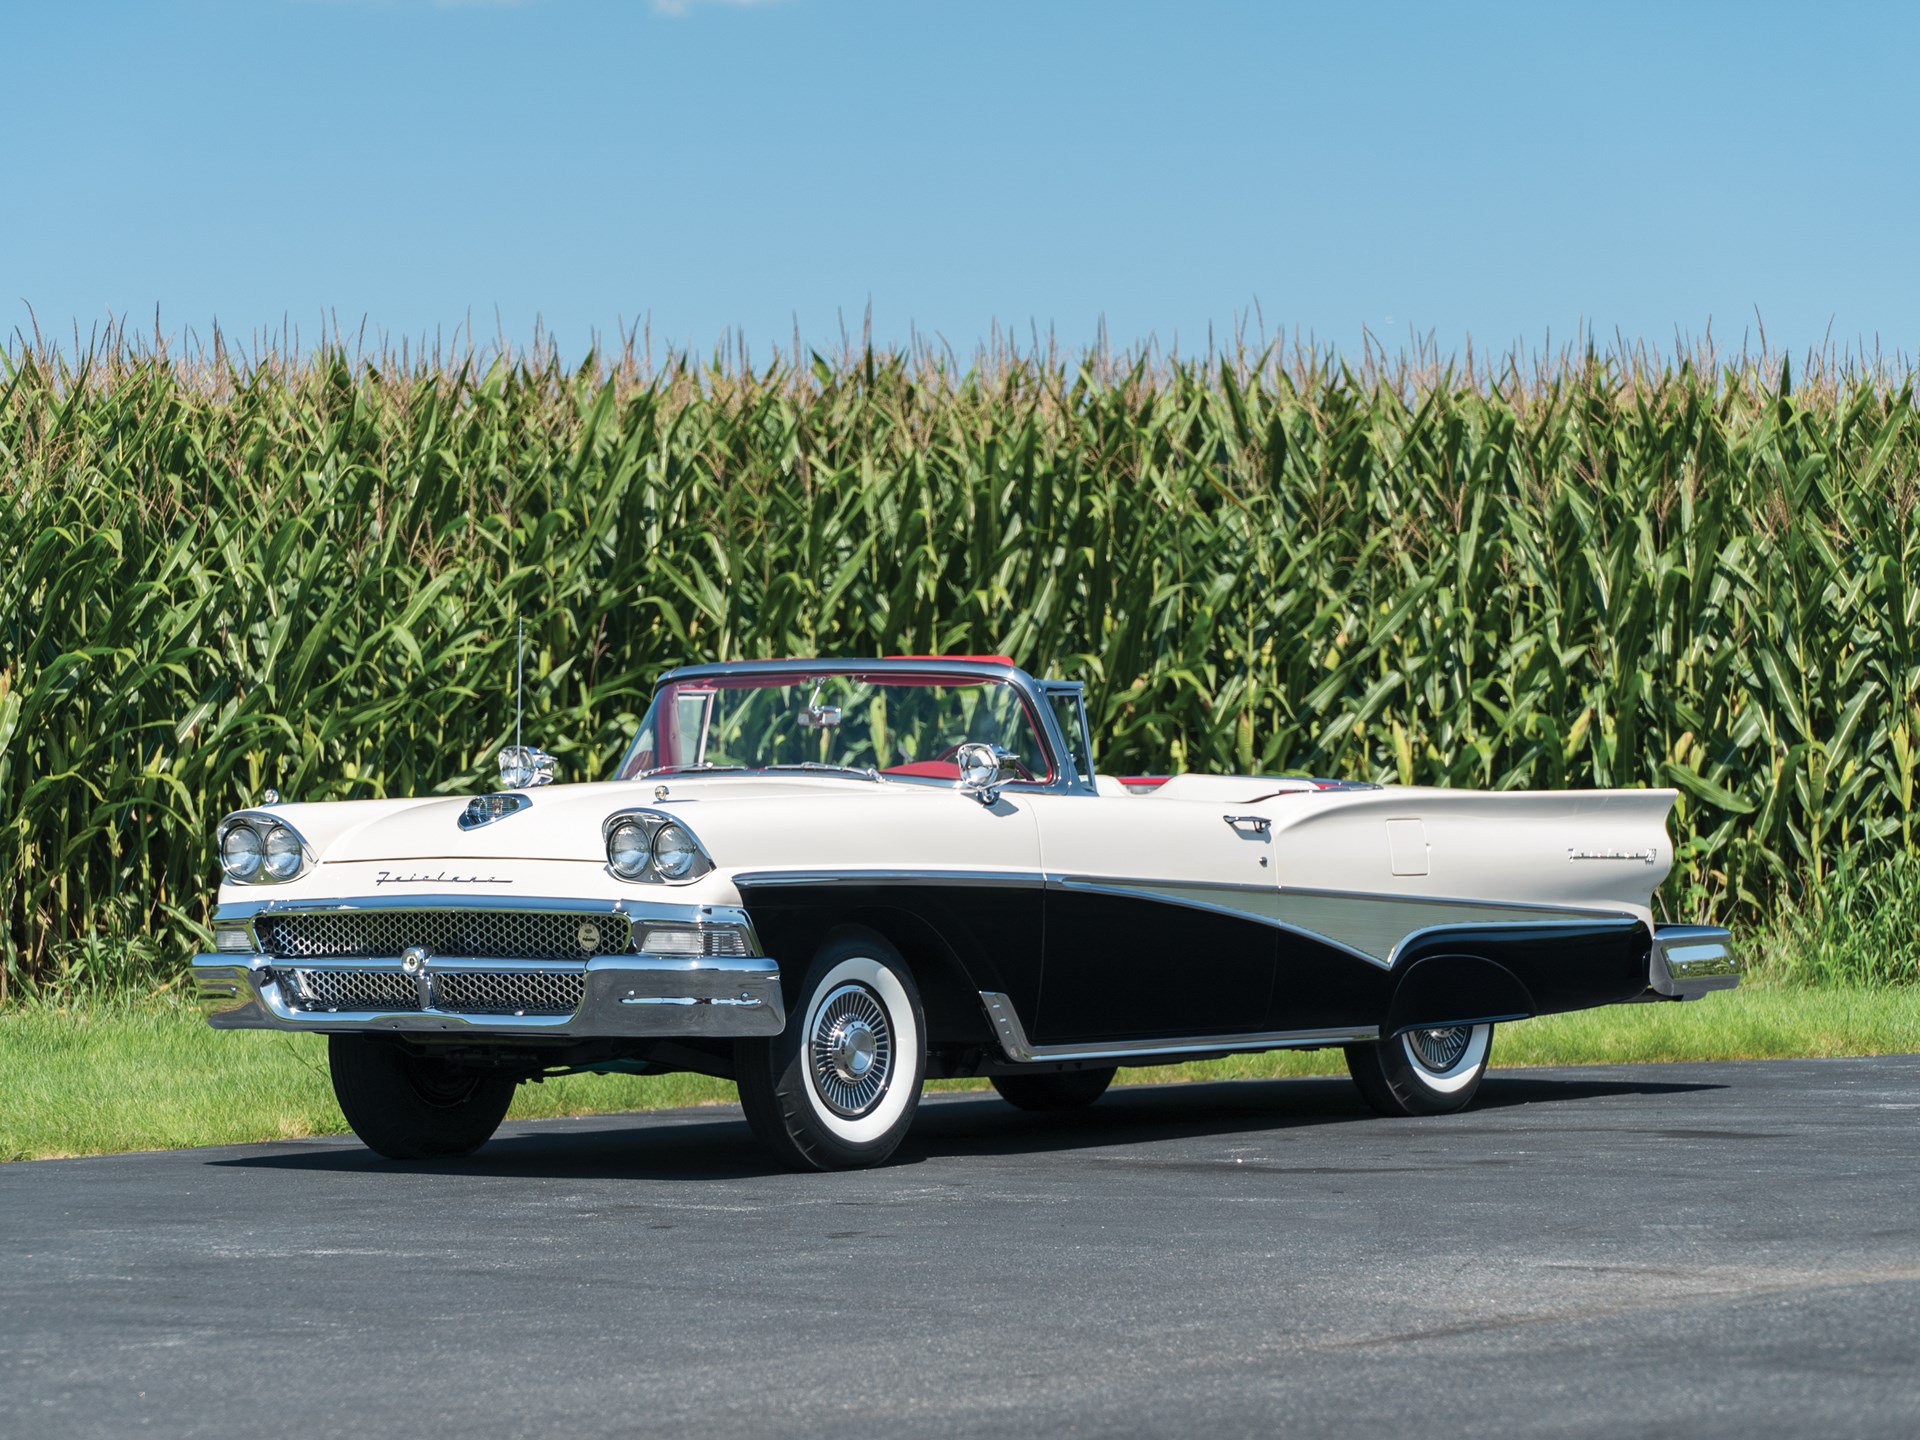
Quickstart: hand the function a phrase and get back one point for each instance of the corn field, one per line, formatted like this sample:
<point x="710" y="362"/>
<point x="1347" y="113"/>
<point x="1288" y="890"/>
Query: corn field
<point x="219" y="575"/>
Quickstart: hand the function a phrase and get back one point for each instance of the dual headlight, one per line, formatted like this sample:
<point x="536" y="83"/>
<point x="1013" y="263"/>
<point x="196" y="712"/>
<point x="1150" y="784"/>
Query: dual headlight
<point x="652" y="847"/>
<point x="256" y="850"/>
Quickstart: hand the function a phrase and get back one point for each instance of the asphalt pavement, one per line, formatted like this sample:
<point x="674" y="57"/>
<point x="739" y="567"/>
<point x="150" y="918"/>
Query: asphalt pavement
<point x="1707" y="1250"/>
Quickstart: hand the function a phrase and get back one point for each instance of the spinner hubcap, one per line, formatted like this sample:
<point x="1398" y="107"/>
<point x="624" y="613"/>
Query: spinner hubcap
<point x="1440" y="1050"/>
<point x="851" y="1050"/>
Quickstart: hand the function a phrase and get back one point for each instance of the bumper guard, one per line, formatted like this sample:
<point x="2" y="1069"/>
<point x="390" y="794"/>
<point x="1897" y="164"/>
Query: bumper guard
<point x="1692" y="960"/>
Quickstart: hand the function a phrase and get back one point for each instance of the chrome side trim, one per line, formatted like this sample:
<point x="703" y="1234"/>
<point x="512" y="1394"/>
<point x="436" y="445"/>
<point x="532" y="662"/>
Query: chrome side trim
<point x="1380" y="897"/>
<point x="1692" y="960"/>
<point x="1022" y="879"/>
<point x="1402" y="898"/>
<point x="1130" y="884"/>
<point x="1013" y="1040"/>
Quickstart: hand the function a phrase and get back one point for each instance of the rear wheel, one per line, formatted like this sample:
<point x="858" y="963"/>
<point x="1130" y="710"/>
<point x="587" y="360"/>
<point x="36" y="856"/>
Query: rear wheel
<point x="1064" y="1090"/>
<point x="1428" y="1071"/>
<point x="414" y="1107"/>
<point x="837" y="1089"/>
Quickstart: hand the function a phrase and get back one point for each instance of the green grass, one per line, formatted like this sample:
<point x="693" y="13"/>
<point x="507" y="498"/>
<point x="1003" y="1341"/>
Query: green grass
<point x="1756" y="1022"/>
<point x="128" y="1077"/>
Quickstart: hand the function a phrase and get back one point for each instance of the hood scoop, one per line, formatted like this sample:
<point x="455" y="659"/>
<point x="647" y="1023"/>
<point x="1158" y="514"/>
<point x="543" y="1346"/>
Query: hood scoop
<point x="485" y="809"/>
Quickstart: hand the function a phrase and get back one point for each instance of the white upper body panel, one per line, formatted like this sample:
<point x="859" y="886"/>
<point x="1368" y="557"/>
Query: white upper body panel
<point x="1289" y="852"/>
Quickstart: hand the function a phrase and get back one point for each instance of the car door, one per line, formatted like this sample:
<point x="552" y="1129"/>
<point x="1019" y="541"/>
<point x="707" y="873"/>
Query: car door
<point x="1158" y="919"/>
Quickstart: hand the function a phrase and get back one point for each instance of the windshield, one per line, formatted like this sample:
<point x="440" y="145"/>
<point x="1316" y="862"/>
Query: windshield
<point x="899" y="725"/>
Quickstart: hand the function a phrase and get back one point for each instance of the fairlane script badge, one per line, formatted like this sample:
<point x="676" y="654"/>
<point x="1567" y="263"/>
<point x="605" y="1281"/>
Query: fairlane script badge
<point x="387" y="877"/>
<point x="1649" y="856"/>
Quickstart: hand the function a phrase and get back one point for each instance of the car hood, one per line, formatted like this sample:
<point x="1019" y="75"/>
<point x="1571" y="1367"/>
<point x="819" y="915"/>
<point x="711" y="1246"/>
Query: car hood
<point x="561" y="822"/>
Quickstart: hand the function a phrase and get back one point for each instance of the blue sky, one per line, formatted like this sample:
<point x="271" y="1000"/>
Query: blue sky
<point x="1500" y="171"/>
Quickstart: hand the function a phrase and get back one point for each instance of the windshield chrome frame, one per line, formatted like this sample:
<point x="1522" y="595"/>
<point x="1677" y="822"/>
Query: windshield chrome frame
<point x="1035" y="694"/>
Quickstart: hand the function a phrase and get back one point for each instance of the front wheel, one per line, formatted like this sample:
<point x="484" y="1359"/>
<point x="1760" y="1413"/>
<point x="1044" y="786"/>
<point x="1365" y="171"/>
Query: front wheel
<point x="414" y="1107"/>
<point x="837" y="1089"/>
<point x="1428" y="1071"/>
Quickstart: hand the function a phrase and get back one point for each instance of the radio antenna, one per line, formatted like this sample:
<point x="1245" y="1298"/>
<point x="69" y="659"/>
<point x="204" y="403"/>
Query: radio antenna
<point x="520" y="682"/>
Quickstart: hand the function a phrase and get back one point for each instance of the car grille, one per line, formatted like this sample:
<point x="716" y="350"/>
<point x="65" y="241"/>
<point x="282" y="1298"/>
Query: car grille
<point x="356" y="990"/>
<point x="469" y="934"/>
<point x="537" y="992"/>
<point x="460" y="992"/>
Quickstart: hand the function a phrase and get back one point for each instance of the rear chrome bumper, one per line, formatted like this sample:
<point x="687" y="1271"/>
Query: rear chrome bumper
<point x="622" y="995"/>
<point x="1691" y="960"/>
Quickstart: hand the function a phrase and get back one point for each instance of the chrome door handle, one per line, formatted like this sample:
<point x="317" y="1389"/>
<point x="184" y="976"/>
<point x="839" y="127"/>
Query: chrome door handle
<point x="1258" y="824"/>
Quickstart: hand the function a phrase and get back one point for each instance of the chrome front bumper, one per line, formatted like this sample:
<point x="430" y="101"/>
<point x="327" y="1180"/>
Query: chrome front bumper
<point x="631" y="994"/>
<point x="636" y="995"/>
<point x="1691" y="960"/>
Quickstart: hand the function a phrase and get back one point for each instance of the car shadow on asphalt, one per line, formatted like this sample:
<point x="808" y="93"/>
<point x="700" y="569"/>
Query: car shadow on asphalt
<point x="713" y="1143"/>
<point x="1143" y="1114"/>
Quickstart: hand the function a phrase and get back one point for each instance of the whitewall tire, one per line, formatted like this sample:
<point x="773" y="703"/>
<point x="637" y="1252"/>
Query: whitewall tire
<point x="837" y="1089"/>
<point x="1429" y="1071"/>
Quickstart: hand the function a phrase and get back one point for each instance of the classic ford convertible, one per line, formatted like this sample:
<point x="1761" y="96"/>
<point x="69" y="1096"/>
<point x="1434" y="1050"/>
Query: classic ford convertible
<point x="827" y="880"/>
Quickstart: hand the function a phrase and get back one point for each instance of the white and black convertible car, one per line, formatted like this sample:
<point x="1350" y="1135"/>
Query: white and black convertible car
<point x="828" y="880"/>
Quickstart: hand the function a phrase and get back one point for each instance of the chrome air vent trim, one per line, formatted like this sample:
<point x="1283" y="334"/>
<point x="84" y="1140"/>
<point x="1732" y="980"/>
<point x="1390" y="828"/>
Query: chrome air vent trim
<point x="485" y="809"/>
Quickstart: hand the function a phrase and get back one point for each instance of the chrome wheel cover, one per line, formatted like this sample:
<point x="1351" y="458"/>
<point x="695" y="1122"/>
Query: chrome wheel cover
<point x="1439" y="1050"/>
<point x="851" y="1050"/>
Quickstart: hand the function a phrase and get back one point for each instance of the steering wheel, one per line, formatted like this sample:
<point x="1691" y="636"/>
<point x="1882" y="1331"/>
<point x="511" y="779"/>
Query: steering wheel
<point x="1018" y="765"/>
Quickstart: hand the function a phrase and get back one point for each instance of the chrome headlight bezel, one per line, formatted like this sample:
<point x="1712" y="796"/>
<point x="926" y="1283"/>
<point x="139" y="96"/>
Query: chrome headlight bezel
<point x="651" y="825"/>
<point x="629" y="848"/>
<point x="675" y="839"/>
<point x="285" y="855"/>
<point x="243" y="852"/>
<point x="271" y="839"/>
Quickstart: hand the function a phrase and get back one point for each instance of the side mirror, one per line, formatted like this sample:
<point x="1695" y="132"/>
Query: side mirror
<point x="979" y="771"/>
<point x="523" y="766"/>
